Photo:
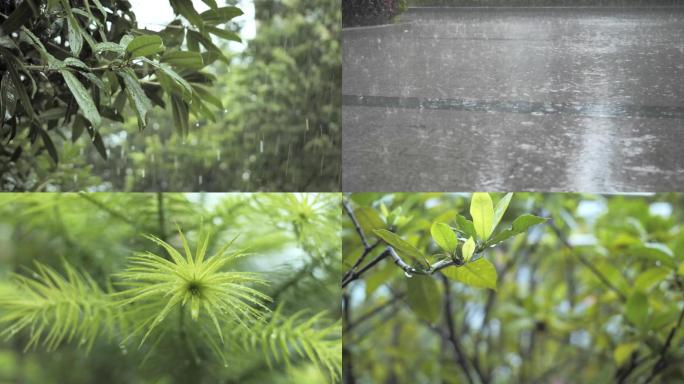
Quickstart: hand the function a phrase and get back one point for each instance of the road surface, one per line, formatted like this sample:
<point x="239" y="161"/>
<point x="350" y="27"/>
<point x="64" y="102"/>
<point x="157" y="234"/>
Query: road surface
<point x="516" y="99"/>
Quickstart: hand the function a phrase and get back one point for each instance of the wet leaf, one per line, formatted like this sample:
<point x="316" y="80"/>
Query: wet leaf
<point x="136" y="95"/>
<point x="402" y="247"/>
<point x="145" y="45"/>
<point x="183" y="59"/>
<point x="445" y="237"/>
<point x="482" y="212"/>
<point x="468" y="249"/>
<point x="220" y="15"/>
<point x="75" y="37"/>
<point x="480" y="274"/>
<point x="83" y="99"/>
<point x="520" y="225"/>
<point x="500" y="209"/>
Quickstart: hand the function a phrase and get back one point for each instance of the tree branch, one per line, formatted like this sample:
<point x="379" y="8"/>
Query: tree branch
<point x="586" y="262"/>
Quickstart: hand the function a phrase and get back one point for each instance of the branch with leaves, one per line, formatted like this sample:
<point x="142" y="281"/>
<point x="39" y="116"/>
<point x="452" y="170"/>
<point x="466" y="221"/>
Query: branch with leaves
<point x="66" y="68"/>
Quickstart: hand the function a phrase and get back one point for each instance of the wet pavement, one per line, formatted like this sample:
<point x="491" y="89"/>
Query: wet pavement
<point x="538" y="99"/>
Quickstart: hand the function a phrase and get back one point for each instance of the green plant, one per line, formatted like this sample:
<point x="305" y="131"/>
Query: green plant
<point x="67" y="66"/>
<point x="195" y="306"/>
<point x="592" y="294"/>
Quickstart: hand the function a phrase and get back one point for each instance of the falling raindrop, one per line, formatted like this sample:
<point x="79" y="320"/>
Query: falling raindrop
<point x="261" y="146"/>
<point x="200" y="179"/>
<point x="218" y="155"/>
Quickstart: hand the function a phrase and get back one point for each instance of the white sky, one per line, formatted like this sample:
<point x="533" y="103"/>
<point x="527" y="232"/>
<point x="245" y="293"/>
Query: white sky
<point x="155" y="14"/>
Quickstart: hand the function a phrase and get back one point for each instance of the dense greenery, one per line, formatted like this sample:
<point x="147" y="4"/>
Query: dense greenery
<point x="267" y="118"/>
<point x="582" y="288"/>
<point x="169" y="288"/>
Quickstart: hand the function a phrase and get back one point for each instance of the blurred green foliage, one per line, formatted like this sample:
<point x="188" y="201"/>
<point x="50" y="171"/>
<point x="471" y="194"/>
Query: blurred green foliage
<point x="292" y="241"/>
<point x="595" y="294"/>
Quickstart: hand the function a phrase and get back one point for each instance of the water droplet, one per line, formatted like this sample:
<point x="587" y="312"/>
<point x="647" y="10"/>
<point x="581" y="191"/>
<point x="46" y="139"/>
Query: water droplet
<point x="408" y="274"/>
<point x="261" y="146"/>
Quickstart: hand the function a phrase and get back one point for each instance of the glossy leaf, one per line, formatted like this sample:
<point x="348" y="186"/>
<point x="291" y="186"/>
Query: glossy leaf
<point x="468" y="249"/>
<point x="145" y="45"/>
<point x="482" y="212"/>
<point x="445" y="237"/>
<point x="500" y="209"/>
<point x="466" y="226"/>
<point x="480" y="274"/>
<point x="137" y="97"/>
<point x="83" y="98"/>
<point x="520" y="225"/>
<point x="402" y="247"/>
<point x="183" y="59"/>
<point x="220" y="15"/>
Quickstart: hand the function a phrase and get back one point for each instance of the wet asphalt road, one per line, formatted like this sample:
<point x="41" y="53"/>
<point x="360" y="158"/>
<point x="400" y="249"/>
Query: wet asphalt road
<point x="516" y="99"/>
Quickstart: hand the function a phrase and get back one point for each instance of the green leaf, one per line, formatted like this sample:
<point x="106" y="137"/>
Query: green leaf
<point x="108" y="46"/>
<point x="185" y="9"/>
<point x="144" y="45"/>
<point x="224" y="33"/>
<point x="220" y="15"/>
<point x="136" y="95"/>
<point x="636" y="309"/>
<point x="650" y="277"/>
<point x="20" y="16"/>
<point x="75" y="37"/>
<point x="654" y="251"/>
<point x="500" y="209"/>
<point x="466" y="226"/>
<point x="480" y="273"/>
<point x="83" y="99"/>
<point x="681" y="269"/>
<point x="468" y="249"/>
<point x="8" y="98"/>
<point x="520" y="225"/>
<point x="368" y="219"/>
<point x="423" y="297"/>
<point x="49" y="145"/>
<point x="98" y="143"/>
<point x="444" y="237"/>
<point x="183" y="59"/>
<point x="211" y="3"/>
<point x="402" y="247"/>
<point x="18" y="85"/>
<point x="77" y="127"/>
<point x="623" y="352"/>
<point x="482" y="212"/>
<point x="180" y="115"/>
<point x="179" y="82"/>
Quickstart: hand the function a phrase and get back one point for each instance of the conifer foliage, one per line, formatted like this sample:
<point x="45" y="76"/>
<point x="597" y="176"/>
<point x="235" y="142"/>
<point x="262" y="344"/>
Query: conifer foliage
<point x="238" y="298"/>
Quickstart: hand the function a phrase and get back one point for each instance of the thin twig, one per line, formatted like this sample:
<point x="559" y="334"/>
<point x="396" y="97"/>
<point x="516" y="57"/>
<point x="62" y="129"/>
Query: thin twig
<point x="451" y="333"/>
<point x="373" y="312"/>
<point x="586" y="262"/>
